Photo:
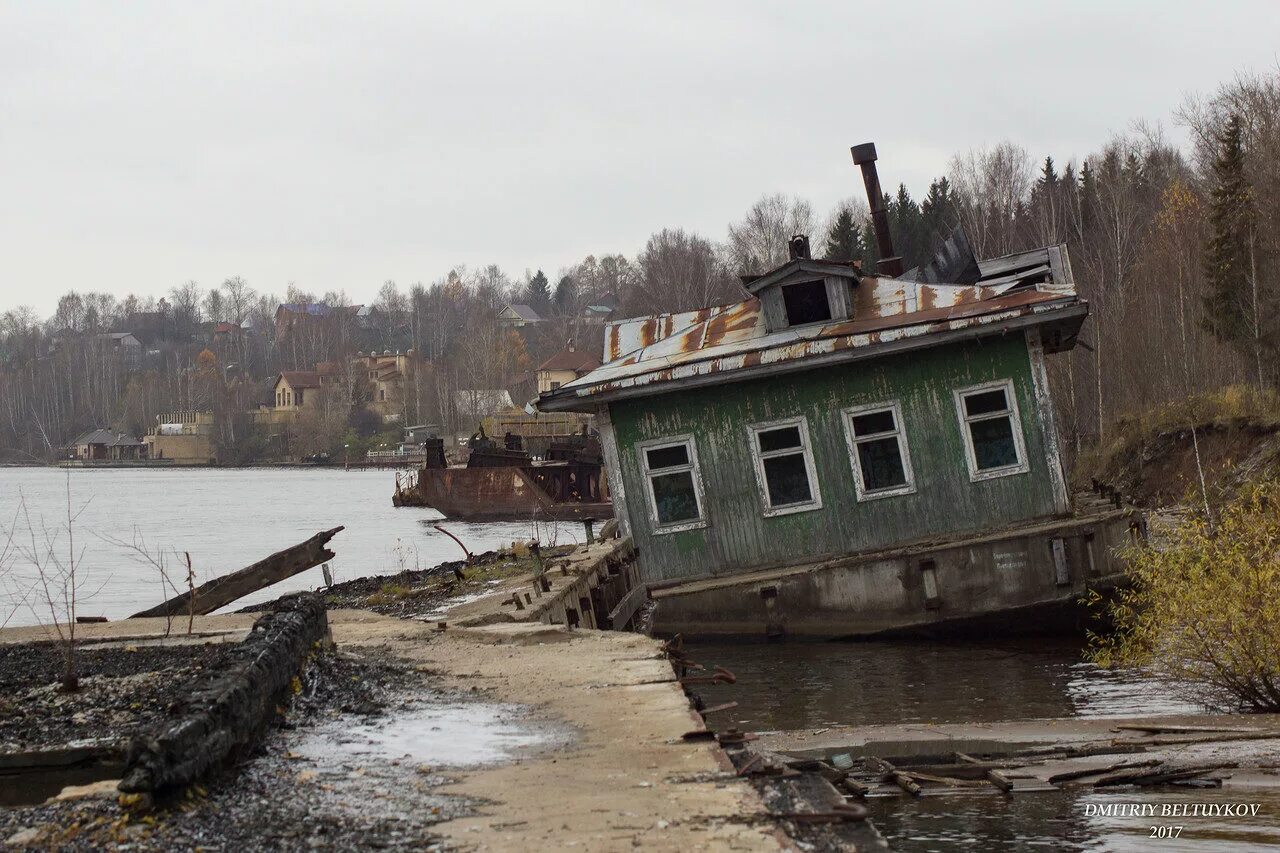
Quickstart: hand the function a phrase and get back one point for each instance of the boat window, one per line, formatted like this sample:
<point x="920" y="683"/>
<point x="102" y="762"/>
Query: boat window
<point x="674" y="483"/>
<point x="992" y="430"/>
<point x="806" y="302"/>
<point x="784" y="466"/>
<point x="878" y="444"/>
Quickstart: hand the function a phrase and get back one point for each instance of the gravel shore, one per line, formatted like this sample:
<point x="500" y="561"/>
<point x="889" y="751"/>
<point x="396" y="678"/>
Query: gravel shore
<point x="280" y="798"/>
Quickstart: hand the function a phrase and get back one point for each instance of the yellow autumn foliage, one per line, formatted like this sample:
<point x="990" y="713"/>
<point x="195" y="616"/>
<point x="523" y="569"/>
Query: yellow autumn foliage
<point x="1204" y="608"/>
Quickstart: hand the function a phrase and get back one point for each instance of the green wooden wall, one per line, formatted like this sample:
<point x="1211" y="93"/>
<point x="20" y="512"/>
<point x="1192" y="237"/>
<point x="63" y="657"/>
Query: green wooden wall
<point x="738" y="537"/>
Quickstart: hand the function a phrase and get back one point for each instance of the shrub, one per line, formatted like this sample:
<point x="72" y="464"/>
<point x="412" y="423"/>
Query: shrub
<point x="1204" y="607"/>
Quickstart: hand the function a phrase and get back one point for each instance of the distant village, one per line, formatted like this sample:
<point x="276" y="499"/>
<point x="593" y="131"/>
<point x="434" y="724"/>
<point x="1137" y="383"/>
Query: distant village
<point x="373" y="405"/>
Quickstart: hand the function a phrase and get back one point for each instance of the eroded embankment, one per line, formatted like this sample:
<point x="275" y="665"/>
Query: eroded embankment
<point x="1156" y="459"/>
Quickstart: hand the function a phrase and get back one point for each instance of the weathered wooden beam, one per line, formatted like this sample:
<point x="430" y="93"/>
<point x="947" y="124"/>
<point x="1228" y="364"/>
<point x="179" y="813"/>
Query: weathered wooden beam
<point x="221" y="591"/>
<point x="1072" y="775"/>
<point x="627" y="607"/>
<point x="1160" y="729"/>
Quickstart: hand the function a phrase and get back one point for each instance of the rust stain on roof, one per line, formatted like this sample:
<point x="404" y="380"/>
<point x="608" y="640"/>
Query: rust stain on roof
<point x="668" y="347"/>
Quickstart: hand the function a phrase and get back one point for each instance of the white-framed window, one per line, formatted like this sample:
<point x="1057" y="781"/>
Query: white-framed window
<point x="878" y="448"/>
<point x="784" y="466"/>
<point x="992" y="430"/>
<point x="673" y="483"/>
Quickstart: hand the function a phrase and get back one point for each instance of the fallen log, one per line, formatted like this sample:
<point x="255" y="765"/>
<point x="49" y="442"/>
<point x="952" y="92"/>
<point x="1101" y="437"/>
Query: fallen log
<point x="221" y="591"/>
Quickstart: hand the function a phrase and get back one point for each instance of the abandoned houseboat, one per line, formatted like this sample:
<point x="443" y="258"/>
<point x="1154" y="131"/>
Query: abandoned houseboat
<point x="847" y="454"/>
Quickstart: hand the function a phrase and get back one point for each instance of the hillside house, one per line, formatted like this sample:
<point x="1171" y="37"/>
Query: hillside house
<point x="844" y="454"/>
<point x="599" y="311"/>
<point x="296" y="390"/>
<point x="518" y="316"/>
<point x="293" y="317"/>
<point x="564" y="367"/>
<point x="123" y="345"/>
<point x="390" y="376"/>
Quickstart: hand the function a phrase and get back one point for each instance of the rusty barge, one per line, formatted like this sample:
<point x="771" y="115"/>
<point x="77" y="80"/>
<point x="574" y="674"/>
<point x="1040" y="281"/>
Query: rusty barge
<point x="505" y="483"/>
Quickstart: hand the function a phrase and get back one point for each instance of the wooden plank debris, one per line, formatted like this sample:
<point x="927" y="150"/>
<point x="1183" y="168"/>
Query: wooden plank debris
<point x="1072" y="775"/>
<point x="1161" y="775"/>
<point x="889" y="773"/>
<point x="1162" y="729"/>
<point x="221" y="591"/>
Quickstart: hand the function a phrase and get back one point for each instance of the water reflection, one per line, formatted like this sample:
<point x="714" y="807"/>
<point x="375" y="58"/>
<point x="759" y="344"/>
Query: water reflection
<point x="805" y="685"/>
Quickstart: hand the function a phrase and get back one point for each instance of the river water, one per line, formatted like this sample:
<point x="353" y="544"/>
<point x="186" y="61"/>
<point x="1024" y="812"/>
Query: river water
<point x="225" y="519"/>
<point x="806" y="685"/>
<point x="791" y="686"/>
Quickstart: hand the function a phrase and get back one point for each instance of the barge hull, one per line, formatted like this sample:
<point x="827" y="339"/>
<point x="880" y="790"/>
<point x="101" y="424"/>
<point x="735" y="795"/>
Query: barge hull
<point x="492" y="494"/>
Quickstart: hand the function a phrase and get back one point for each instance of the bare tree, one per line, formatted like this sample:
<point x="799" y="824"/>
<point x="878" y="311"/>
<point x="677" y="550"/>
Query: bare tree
<point x="758" y="242"/>
<point x="991" y="185"/>
<point x="680" y="271"/>
<point x="59" y="579"/>
<point x="238" y="299"/>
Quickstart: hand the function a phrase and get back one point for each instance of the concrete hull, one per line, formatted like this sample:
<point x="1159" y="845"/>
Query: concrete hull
<point x="1012" y="581"/>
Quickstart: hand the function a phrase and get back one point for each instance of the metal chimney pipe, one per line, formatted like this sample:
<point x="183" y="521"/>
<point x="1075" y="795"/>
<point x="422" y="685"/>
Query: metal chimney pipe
<point x="864" y="156"/>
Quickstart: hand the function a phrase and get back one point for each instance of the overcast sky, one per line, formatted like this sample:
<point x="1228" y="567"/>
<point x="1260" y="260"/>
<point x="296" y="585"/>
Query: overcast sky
<point x="342" y="144"/>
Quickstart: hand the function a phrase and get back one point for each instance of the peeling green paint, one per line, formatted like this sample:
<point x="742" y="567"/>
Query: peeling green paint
<point x="738" y="537"/>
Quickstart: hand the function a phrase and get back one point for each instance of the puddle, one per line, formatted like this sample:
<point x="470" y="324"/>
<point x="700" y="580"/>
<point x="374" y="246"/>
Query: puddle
<point x="455" y="734"/>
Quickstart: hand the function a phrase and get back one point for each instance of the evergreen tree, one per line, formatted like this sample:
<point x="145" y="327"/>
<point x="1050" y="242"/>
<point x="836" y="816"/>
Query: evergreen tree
<point x="937" y="214"/>
<point x="905" y="225"/>
<point x="1230" y="304"/>
<point x="870" y="247"/>
<point x="844" y="238"/>
<point x="565" y="295"/>
<point x="539" y="294"/>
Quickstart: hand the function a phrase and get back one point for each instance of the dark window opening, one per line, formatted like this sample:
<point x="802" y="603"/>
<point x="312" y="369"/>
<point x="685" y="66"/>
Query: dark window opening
<point x="879" y="443"/>
<point x="671" y="473"/>
<point x="806" y="302"/>
<point x="779" y="439"/>
<point x="881" y="464"/>
<point x="985" y="403"/>
<point x="989" y="418"/>
<point x="674" y="497"/>
<point x="993" y="445"/>
<point x="788" y="480"/>
<point x="668" y="457"/>
<point x="784" y="466"/>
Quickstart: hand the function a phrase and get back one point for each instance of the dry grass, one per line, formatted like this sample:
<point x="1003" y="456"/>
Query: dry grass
<point x="1234" y="407"/>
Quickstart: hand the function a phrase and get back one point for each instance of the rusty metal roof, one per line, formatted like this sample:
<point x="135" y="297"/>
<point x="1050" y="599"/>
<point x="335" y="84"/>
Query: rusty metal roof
<point x="649" y="355"/>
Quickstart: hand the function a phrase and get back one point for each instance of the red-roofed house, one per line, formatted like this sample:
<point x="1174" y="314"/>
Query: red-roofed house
<point x="564" y="367"/>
